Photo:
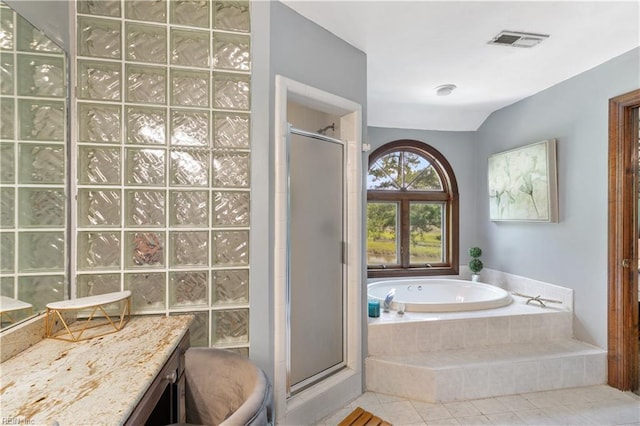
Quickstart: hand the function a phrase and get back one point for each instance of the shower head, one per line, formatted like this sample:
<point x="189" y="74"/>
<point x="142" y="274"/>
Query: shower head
<point x="323" y="131"/>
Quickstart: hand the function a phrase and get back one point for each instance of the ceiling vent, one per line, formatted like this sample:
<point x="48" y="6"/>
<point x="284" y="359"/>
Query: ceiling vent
<point x="517" y="39"/>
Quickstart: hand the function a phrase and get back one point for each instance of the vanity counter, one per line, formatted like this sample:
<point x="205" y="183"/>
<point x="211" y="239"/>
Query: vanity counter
<point x="97" y="381"/>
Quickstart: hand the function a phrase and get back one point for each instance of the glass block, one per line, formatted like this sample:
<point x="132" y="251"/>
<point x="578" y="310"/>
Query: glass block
<point x="98" y="250"/>
<point x="95" y="284"/>
<point x="146" y="84"/>
<point x="230" y="327"/>
<point x="7" y="163"/>
<point x="190" y="48"/>
<point x="99" y="123"/>
<point x="240" y="351"/>
<point x="7" y="72"/>
<point x="231" y="209"/>
<point x="30" y="38"/>
<point x="190" y="88"/>
<point x="99" y="38"/>
<point x="7" y="207"/>
<point x="144" y="249"/>
<point x="189" y="127"/>
<point x="7" y="29"/>
<point x="231" y="130"/>
<point x="98" y="166"/>
<point x="40" y="290"/>
<point x="146" y="10"/>
<point x="193" y="13"/>
<point x="41" y="76"/>
<point x="231" y="52"/>
<point x="146" y="43"/>
<point x="189" y="208"/>
<point x="189" y="167"/>
<point x="189" y="248"/>
<point x="7" y="287"/>
<point x="188" y="289"/>
<point x="41" y="164"/>
<point x="146" y="125"/>
<point x="231" y="248"/>
<point x="41" y="251"/>
<point x="40" y="120"/>
<point x="147" y="291"/>
<point x="199" y="329"/>
<point x="145" y="208"/>
<point x="231" y="92"/>
<point x="231" y="15"/>
<point x="230" y="287"/>
<point x="42" y="208"/>
<point x="7" y="119"/>
<point x="98" y="208"/>
<point x="145" y="166"/>
<point x="99" y="80"/>
<point x="231" y="169"/>
<point x="7" y="251"/>
<point x="99" y="7"/>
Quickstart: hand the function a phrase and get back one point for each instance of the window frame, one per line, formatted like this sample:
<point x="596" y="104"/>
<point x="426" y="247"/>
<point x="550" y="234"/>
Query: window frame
<point x="448" y="196"/>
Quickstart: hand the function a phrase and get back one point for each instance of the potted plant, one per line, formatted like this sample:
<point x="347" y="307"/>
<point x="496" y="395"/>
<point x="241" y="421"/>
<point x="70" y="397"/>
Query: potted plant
<point x="475" y="264"/>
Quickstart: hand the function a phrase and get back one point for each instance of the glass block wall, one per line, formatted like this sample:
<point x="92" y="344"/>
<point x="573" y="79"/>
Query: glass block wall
<point x="163" y="159"/>
<point x="33" y="182"/>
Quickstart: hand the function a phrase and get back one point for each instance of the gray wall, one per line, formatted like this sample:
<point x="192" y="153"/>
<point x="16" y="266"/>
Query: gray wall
<point x="50" y="16"/>
<point x="573" y="252"/>
<point x="285" y="43"/>
<point x="458" y="148"/>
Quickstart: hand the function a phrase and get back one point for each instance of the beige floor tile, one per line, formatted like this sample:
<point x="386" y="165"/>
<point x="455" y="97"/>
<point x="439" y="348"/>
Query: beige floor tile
<point x="462" y="409"/>
<point x="490" y="406"/>
<point x="474" y="420"/>
<point x="505" y="419"/>
<point x="399" y="413"/>
<point x="431" y="411"/>
<point x="516" y="402"/>
<point x="444" y="422"/>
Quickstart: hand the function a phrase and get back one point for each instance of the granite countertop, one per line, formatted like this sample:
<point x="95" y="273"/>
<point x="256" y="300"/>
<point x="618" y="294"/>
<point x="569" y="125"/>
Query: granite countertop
<point x="97" y="381"/>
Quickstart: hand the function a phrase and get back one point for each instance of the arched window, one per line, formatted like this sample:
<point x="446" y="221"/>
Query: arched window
<point x="412" y="212"/>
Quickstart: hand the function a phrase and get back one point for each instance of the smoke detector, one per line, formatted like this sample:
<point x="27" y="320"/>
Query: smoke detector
<point x="518" y="39"/>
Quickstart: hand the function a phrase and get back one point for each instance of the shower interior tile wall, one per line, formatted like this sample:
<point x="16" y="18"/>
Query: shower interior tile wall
<point x="33" y="182"/>
<point x="163" y="159"/>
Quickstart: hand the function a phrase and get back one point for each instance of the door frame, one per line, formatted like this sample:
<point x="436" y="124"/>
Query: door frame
<point x="623" y="251"/>
<point x="331" y="394"/>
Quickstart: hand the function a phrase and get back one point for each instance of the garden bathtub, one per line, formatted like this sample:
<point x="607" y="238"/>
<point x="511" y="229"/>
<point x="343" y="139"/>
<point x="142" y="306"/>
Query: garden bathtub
<point x="439" y="295"/>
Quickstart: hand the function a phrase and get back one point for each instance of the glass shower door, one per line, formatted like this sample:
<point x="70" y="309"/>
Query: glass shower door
<point x="316" y="307"/>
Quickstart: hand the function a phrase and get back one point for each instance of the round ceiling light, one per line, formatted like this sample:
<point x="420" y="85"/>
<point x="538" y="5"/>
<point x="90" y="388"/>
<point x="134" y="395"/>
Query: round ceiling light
<point x="445" y="89"/>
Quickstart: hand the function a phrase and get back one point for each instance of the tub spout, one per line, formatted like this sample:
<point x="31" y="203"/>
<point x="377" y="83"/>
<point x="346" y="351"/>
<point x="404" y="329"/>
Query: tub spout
<point x="388" y="299"/>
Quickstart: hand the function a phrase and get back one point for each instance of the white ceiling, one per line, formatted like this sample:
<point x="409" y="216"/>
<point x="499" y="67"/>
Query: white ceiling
<point x="414" y="46"/>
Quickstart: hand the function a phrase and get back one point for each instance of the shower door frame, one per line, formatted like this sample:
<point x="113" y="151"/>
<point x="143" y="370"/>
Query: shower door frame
<point x="293" y="388"/>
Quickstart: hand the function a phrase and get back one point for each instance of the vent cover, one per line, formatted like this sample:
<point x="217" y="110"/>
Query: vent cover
<point x="517" y="39"/>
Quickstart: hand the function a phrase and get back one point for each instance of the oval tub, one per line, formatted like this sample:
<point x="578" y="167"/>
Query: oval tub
<point x="440" y="295"/>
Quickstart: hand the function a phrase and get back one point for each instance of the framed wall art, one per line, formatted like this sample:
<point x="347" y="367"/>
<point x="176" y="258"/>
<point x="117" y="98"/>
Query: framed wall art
<point x="523" y="184"/>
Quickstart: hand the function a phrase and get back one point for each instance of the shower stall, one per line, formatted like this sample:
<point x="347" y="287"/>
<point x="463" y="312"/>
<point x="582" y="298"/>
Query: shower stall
<point x="317" y="274"/>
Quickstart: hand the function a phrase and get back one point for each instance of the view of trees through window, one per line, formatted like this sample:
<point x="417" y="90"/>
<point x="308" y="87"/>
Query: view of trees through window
<point x="410" y="200"/>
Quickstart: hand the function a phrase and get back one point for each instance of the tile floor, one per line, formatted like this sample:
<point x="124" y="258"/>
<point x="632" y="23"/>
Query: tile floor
<point x="590" y="405"/>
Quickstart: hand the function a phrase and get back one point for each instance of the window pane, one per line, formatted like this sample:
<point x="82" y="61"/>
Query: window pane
<point x="382" y="236"/>
<point x="419" y="174"/>
<point x="426" y="227"/>
<point x="385" y="173"/>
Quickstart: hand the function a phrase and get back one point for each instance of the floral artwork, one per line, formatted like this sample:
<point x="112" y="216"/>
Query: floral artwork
<point x="522" y="184"/>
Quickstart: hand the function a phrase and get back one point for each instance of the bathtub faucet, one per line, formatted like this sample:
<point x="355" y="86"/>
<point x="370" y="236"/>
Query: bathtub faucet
<point x="388" y="299"/>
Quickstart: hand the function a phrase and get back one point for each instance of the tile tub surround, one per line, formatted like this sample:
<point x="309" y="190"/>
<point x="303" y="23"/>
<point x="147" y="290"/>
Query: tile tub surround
<point x="461" y="355"/>
<point x="590" y="405"/>
<point x="102" y="379"/>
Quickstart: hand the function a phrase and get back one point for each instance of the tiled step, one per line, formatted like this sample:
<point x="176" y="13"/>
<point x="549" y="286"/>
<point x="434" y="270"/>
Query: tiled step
<point x="420" y="332"/>
<point x="481" y="372"/>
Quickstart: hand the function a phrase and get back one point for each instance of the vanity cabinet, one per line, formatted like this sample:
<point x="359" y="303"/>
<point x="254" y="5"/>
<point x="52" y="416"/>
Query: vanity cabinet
<point x="164" y="401"/>
<point x="134" y="376"/>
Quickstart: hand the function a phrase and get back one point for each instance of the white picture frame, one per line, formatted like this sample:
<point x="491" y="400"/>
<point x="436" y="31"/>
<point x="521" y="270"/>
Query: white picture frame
<point x="523" y="183"/>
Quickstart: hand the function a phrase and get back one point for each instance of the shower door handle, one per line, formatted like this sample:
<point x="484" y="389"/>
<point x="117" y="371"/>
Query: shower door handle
<point x="626" y="263"/>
